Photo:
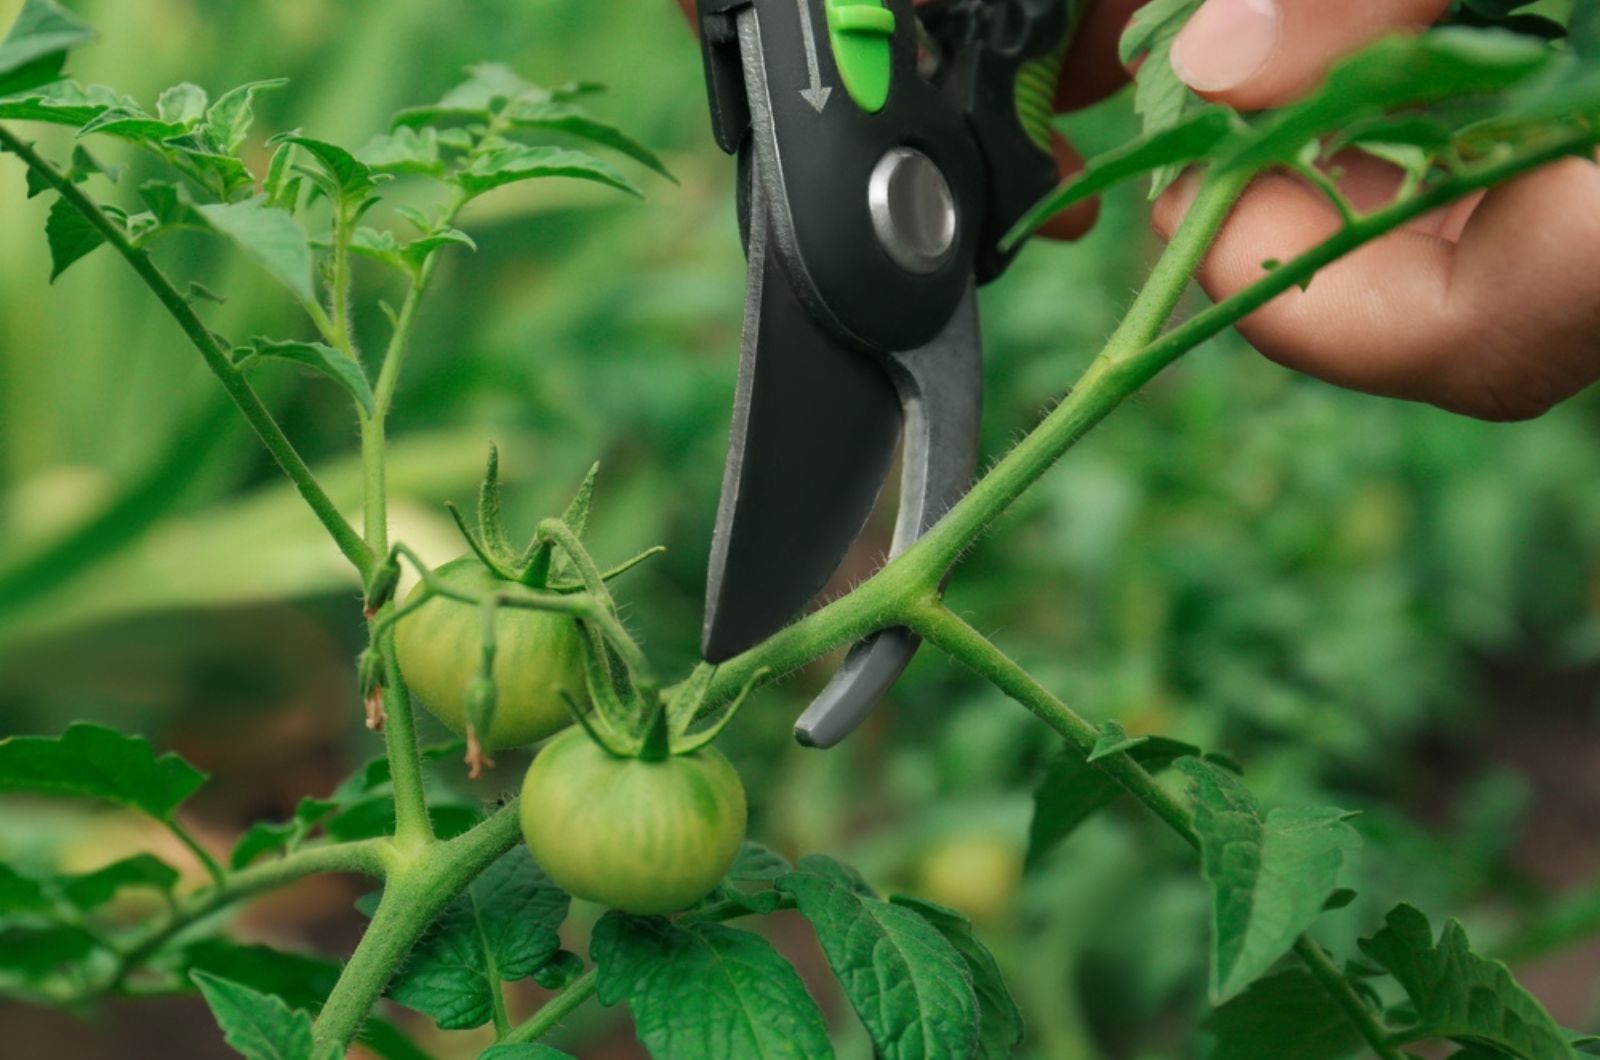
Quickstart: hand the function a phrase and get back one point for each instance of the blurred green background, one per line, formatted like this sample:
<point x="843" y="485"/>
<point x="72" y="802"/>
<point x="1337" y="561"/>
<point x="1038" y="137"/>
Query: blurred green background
<point x="1367" y="603"/>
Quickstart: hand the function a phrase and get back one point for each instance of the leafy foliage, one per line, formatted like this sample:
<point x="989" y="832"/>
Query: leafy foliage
<point x="260" y="1026"/>
<point x="1271" y="874"/>
<point x="91" y="761"/>
<point x="698" y="990"/>
<point x="1287" y="1016"/>
<point x="906" y="981"/>
<point x="1459" y="995"/>
<point x="1161" y="98"/>
<point x="1073" y="790"/>
<point x="502" y="928"/>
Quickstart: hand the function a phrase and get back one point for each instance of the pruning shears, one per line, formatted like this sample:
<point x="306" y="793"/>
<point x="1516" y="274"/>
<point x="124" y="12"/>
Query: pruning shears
<point x="883" y="150"/>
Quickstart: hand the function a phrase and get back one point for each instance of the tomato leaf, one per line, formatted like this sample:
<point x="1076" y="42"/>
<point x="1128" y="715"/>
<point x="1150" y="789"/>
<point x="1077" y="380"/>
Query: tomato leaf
<point x="575" y="121"/>
<point x="1288" y="1016"/>
<point x="21" y="894"/>
<point x="94" y="762"/>
<point x="91" y="890"/>
<point x="259" y="1025"/>
<point x="300" y="980"/>
<point x="1270" y="874"/>
<point x="36" y="47"/>
<point x="1000" y="1026"/>
<point x="519" y="162"/>
<point x="758" y="863"/>
<point x="501" y="929"/>
<point x="71" y="237"/>
<point x="63" y="103"/>
<point x="35" y="952"/>
<point x="227" y="121"/>
<point x="406" y="150"/>
<point x="1073" y="790"/>
<point x="1160" y="97"/>
<point x="698" y="991"/>
<point x="1459" y="995"/>
<point x="1188" y="140"/>
<point x="317" y="356"/>
<point x="266" y="837"/>
<point x="182" y="104"/>
<point x="270" y="236"/>
<point x="908" y="984"/>
<point x="343" y="176"/>
<point x="488" y="88"/>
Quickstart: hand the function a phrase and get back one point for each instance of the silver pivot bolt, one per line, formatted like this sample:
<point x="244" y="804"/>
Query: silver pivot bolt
<point x="913" y="211"/>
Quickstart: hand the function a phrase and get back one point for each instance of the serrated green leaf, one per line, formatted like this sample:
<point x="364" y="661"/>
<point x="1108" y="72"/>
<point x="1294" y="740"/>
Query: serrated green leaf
<point x="373" y="816"/>
<point x="270" y="236"/>
<point x="908" y="984"/>
<point x="71" y="237"/>
<point x="259" y="1026"/>
<point x="523" y="1051"/>
<point x="560" y="971"/>
<point x="228" y="120"/>
<point x="406" y="150"/>
<point x="20" y="894"/>
<point x="133" y="125"/>
<point x="1270" y="874"/>
<point x="344" y="177"/>
<point x="182" y="104"/>
<point x="1189" y="140"/>
<point x="36" y="47"/>
<point x="1288" y="1016"/>
<point x="699" y="991"/>
<point x="758" y="863"/>
<point x="319" y="357"/>
<point x="94" y="762"/>
<point x="300" y="980"/>
<point x="1072" y="791"/>
<point x="501" y="929"/>
<point x="1393" y="73"/>
<point x="91" y="890"/>
<point x="63" y="103"/>
<point x="1160" y="97"/>
<point x="170" y="204"/>
<point x="1460" y="995"/>
<point x="575" y="121"/>
<point x="999" y="1019"/>
<point x="488" y="88"/>
<point x="519" y="162"/>
<point x="33" y="952"/>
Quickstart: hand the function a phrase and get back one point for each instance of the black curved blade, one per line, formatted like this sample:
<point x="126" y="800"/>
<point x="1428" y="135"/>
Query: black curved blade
<point x="815" y="426"/>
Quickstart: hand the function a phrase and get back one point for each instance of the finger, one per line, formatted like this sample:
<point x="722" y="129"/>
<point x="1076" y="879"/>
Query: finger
<point x="1501" y="325"/>
<point x="1092" y="70"/>
<point x="1252" y="54"/>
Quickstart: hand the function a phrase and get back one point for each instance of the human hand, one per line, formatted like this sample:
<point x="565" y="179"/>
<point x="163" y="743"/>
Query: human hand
<point x="1490" y="307"/>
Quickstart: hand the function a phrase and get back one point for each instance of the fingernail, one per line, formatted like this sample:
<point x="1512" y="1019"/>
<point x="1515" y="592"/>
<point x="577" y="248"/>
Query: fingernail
<point x="1225" y="43"/>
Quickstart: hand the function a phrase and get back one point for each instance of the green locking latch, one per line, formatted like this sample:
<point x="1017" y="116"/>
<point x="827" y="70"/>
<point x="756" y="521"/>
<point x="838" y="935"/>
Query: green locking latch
<point x="860" y="31"/>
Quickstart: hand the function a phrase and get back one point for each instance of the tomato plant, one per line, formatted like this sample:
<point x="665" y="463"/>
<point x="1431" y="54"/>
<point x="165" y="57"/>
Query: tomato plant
<point x="631" y="808"/>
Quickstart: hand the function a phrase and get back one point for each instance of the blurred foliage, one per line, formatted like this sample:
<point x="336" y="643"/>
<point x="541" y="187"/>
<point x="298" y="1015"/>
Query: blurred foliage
<point x="1370" y="603"/>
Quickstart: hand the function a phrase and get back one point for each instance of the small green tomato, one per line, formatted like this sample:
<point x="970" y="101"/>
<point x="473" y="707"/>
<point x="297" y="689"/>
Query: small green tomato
<point x="637" y="835"/>
<point x="537" y="654"/>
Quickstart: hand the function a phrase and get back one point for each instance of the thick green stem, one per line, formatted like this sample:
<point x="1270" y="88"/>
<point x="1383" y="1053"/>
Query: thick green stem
<point x="233" y="381"/>
<point x="412" y="826"/>
<point x="421" y="881"/>
<point x="366" y="857"/>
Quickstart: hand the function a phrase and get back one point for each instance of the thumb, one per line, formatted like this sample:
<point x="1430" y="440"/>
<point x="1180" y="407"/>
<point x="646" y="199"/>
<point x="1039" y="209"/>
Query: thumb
<point x="1252" y="54"/>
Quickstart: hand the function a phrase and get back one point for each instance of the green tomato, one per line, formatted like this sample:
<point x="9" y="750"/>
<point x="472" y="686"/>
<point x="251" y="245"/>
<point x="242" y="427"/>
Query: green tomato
<point x="640" y="836"/>
<point x="537" y="654"/>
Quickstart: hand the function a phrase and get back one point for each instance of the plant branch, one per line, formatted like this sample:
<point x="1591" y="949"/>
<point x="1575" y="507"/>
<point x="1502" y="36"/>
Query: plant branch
<point x="217" y="360"/>
<point x="1339" y="990"/>
<point x="420" y="883"/>
<point x="365" y="857"/>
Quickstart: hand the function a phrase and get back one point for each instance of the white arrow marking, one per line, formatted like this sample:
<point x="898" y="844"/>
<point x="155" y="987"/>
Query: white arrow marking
<point x="817" y="95"/>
